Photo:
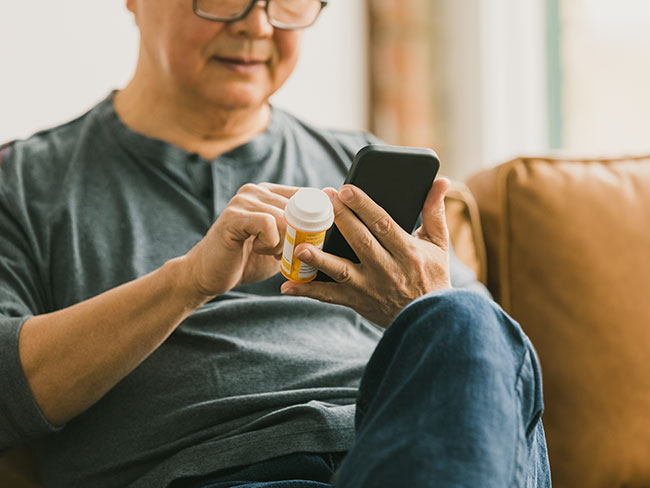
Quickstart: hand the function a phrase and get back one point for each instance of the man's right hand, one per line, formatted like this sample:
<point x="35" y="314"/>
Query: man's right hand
<point x="244" y="245"/>
<point x="73" y="356"/>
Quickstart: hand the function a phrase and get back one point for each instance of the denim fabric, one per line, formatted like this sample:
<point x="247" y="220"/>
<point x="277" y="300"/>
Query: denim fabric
<point x="452" y="397"/>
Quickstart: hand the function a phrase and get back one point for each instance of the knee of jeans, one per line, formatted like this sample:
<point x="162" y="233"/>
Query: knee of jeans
<point x="461" y="322"/>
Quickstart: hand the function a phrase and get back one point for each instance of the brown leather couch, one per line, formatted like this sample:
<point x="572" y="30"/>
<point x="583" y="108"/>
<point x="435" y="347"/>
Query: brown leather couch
<point x="564" y="246"/>
<point x="568" y="256"/>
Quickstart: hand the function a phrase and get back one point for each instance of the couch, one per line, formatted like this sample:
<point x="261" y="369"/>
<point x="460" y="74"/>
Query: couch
<point x="568" y="256"/>
<point x="564" y="247"/>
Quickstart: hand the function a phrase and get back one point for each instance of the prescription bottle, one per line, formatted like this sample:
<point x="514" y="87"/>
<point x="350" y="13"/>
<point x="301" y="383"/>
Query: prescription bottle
<point x="309" y="214"/>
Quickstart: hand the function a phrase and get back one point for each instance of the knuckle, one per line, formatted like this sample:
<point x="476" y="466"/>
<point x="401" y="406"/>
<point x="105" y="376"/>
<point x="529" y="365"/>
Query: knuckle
<point x="343" y="275"/>
<point x="412" y="253"/>
<point x="238" y="200"/>
<point x="402" y="282"/>
<point x="265" y="188"/>
<point x="230" y="212"/>
<point x="267" y="220"/>
<point x="364" y="242"/>
<point x="328" y="298"/>
<point x="267" y="231"/>
<point x="247" y="188"/>
<point x="382" y="226"/>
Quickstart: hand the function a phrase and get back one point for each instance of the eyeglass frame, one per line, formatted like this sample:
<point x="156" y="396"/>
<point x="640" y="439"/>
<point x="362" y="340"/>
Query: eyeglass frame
<point x="251" y="6"/>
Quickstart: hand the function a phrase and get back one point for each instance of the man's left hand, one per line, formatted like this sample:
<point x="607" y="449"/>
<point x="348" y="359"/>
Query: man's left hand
<point x="395" y="267"/>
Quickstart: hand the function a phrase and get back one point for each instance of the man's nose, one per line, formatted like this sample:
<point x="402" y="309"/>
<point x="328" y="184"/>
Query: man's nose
<point x="255" y="24"/>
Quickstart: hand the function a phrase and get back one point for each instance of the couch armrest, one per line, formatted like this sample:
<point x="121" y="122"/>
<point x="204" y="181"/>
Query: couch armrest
<point x="465" y="231"/>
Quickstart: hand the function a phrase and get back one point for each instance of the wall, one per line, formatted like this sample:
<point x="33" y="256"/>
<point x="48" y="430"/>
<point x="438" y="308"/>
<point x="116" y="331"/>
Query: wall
<point x="330" y="83"/>
<point x="489" y="81"/>
<point x="59" y="58"/>
<point x="606" y="76"/>
<point x="502" y="88"/>
<point x="400" y="85"/>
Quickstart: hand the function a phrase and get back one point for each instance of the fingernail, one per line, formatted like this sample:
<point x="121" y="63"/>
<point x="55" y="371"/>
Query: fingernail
<point x="304" y="255"/>
<point x="346" y="195"/>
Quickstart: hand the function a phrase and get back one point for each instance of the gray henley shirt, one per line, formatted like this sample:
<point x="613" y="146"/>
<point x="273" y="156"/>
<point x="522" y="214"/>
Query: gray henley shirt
<point x="251" y="375"/>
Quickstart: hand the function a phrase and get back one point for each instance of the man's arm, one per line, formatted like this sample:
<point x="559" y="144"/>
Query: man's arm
<point x="74" y="356"/>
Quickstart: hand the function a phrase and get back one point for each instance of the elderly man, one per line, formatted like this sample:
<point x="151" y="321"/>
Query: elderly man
<point x="147" y="338"/>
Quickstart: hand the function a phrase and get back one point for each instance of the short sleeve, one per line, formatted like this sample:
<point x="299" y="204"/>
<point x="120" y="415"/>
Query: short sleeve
<point x="21" y="296"/>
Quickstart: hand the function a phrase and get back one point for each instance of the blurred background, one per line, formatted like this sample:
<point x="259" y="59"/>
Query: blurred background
<point x="480" y="81"/>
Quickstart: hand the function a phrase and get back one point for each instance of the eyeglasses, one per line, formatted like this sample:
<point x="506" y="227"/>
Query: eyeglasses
<point x="283" y="14"/>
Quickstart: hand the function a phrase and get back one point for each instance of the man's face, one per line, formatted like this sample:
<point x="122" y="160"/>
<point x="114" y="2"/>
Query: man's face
<point x="233" y="65"/>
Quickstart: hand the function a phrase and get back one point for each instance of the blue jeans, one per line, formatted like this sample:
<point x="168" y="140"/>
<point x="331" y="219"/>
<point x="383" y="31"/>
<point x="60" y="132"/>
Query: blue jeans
<point x="451" y="397"/>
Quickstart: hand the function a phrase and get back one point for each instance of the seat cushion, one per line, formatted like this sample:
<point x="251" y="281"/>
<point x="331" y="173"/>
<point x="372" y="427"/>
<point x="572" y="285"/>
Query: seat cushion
<point x="568" y="246"/>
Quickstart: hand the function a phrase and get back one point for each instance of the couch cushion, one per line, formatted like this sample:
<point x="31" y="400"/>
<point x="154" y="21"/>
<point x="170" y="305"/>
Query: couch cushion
<point x="568" y="245"/>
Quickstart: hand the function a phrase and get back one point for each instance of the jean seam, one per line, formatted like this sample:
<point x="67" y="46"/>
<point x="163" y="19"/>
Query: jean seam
<point x="518" y="472"/>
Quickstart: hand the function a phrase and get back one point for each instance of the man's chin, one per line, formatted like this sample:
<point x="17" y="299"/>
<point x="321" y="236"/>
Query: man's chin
<point x="239" y="100"/>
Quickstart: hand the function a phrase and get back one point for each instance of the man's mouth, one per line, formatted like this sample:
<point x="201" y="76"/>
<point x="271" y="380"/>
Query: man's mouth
<point x="240" y="65"/>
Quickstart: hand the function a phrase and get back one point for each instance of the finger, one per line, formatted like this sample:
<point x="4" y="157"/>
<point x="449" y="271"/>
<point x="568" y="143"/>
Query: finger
<point x="260" y="247"/>
<point x="283" y="190"/>
<point x="324" y="292"/>
<point x="361" y="240"/>
<point x="260" y="225"/>
<point x="250" y="203"/>
<point x="379" y="222"/>
<point x="434" y="220"/>
<point x="255" y="198"/>
<point x="339" y="269"/>
<point x="246" y="207"/>
<point x="252" y="192"/>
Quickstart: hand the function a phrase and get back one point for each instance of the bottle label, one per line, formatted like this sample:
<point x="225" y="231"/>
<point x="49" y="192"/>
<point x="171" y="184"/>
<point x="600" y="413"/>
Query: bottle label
<point x="292" y="268"/>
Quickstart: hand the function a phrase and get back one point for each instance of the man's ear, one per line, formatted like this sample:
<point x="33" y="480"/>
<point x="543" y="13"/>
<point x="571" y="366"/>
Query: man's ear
<point x="132" y="6"/>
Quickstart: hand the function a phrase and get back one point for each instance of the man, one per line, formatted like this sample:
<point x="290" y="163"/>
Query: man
<point x="148" y="339"/>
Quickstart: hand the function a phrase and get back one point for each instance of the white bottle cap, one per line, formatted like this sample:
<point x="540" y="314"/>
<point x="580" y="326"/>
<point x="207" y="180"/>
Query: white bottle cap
<point x="310" y="210"/>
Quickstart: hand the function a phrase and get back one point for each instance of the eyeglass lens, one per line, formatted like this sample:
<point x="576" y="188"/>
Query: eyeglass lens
<point x="293" y="13"/>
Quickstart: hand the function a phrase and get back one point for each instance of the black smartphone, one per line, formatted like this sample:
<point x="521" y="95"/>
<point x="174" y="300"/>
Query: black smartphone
<point x="397" y="178"/>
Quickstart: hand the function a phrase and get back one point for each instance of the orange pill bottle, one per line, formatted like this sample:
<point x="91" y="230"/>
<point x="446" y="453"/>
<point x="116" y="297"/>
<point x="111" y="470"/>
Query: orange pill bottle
<point x="309" y="214"/>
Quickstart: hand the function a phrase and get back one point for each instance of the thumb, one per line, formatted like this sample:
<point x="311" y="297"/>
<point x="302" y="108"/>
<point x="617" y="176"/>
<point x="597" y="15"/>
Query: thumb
<point x="434" y="220"/>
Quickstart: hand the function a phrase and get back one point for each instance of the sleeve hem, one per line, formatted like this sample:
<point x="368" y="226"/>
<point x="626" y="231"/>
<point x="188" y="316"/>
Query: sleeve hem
<point x="21" y="418"/>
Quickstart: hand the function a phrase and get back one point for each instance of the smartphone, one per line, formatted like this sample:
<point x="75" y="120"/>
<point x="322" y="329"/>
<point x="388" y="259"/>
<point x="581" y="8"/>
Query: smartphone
<point x="397" y="178"/>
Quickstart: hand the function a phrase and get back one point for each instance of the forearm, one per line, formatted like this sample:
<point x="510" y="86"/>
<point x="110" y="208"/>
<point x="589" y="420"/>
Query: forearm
<point x="72" y="357"/>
